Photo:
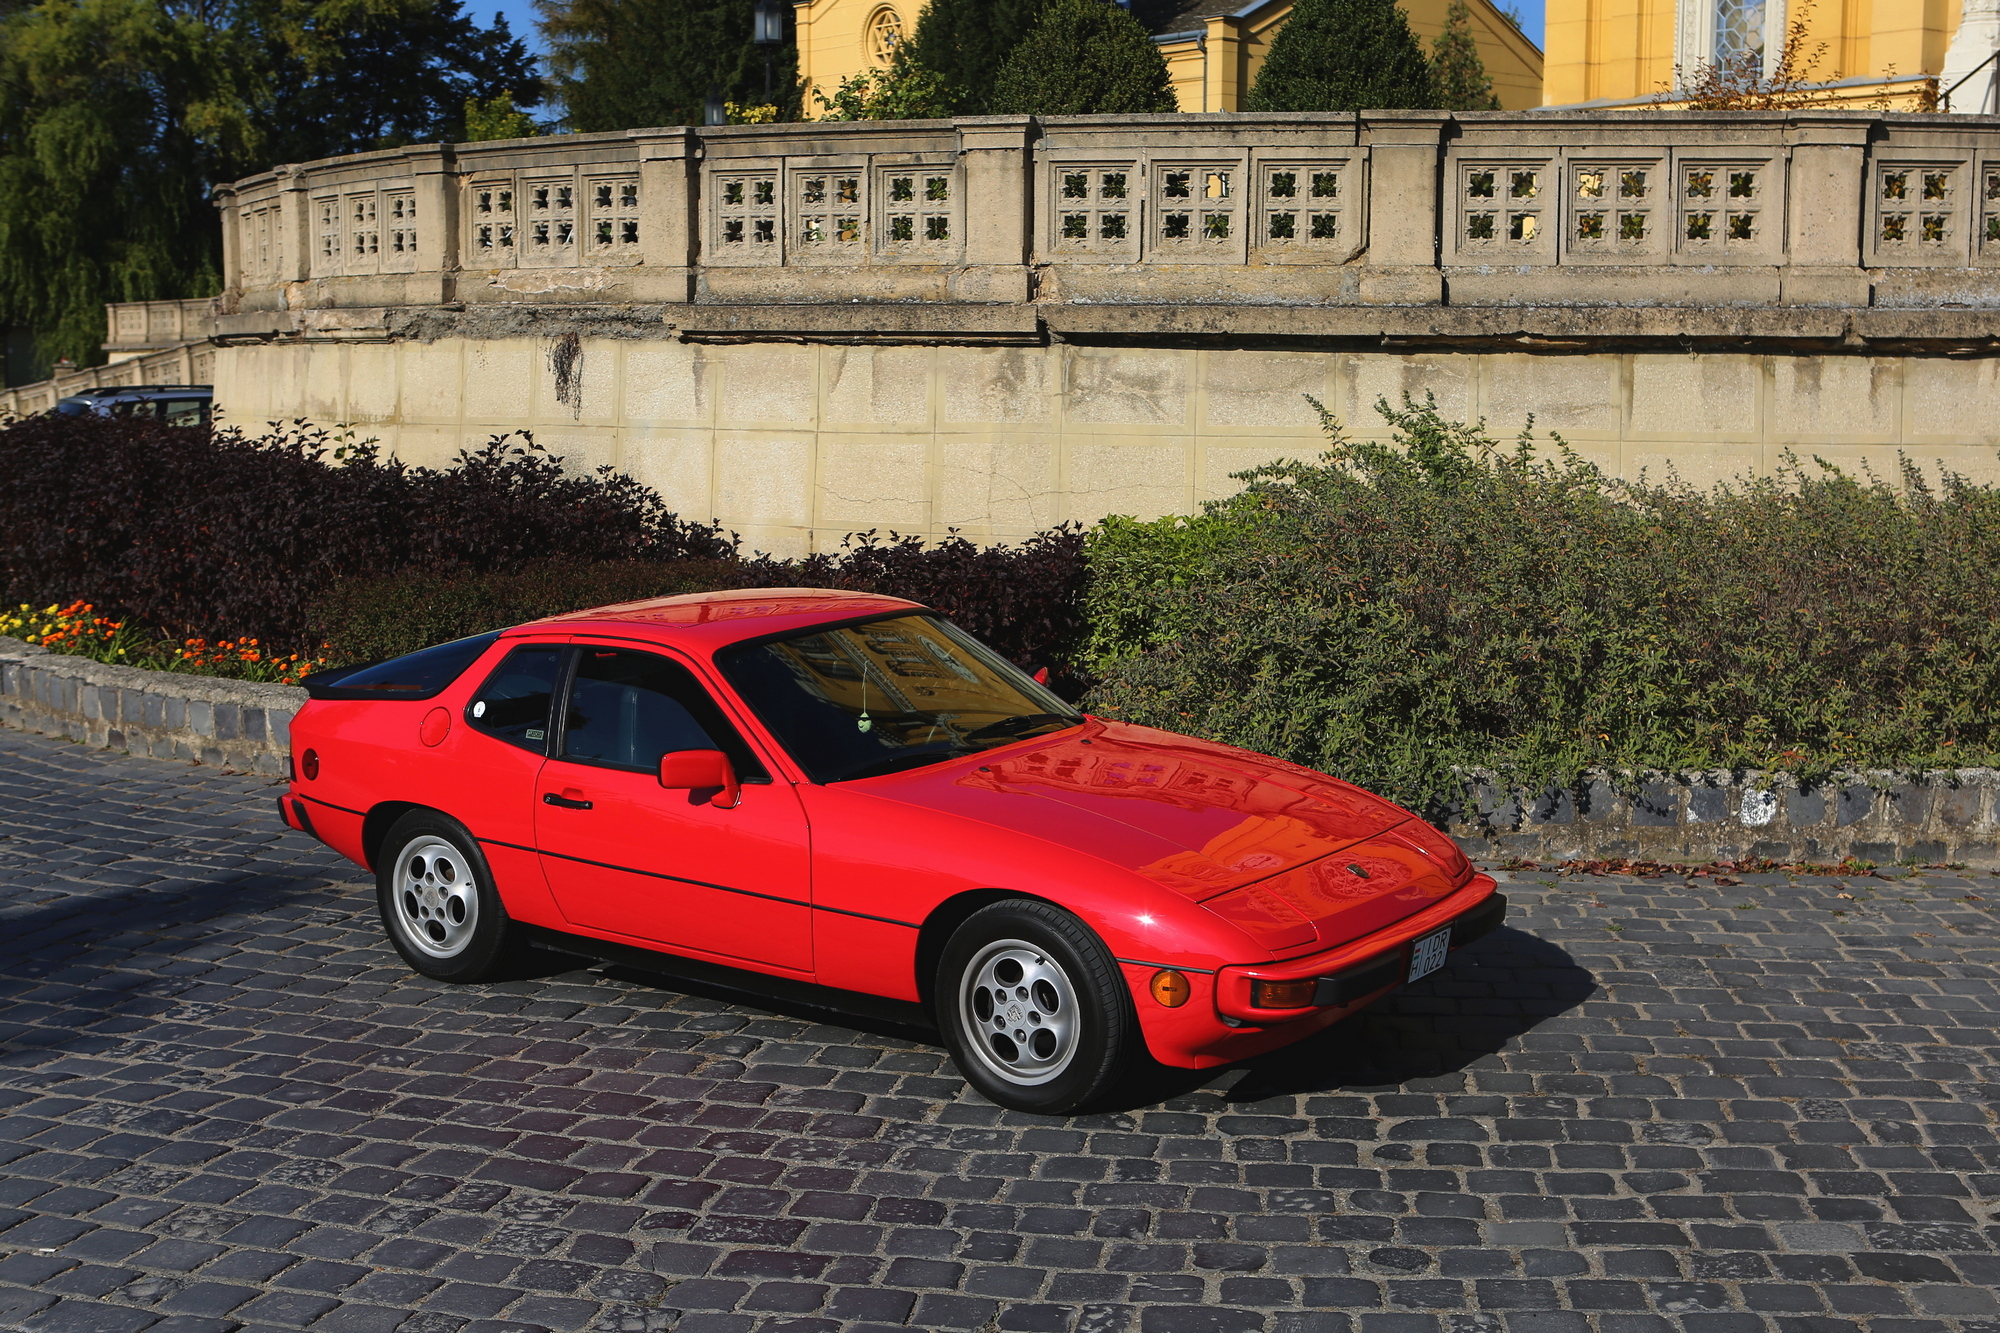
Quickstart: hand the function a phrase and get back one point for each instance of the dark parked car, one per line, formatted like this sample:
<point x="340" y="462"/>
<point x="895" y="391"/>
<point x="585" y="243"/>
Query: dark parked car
<point x="175" y="404"/>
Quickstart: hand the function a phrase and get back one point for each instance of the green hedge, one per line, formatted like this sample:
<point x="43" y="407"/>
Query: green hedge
<point x="1398" y="612"/>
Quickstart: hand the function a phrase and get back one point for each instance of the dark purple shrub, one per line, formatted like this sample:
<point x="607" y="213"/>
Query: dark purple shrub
<point x="223" y="534"/>
<point x="1026" y="600"/>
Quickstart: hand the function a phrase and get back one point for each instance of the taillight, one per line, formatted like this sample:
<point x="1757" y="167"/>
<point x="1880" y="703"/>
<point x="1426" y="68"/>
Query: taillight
<point x="311" y="764"/>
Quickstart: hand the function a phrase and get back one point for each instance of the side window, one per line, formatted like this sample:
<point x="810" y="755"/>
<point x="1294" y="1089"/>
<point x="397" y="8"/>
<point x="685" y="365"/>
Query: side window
<point x="628" y="708"/>
<point x="513" y="704"/>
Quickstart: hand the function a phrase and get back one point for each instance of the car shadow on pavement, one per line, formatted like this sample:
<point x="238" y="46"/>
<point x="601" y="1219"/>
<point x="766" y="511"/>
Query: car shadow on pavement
<point x="115" y="953"/>
<point x="1488" y="994"/>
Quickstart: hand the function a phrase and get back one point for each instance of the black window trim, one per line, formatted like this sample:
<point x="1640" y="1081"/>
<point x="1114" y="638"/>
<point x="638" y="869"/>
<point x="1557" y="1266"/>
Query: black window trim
<point x="557" y="688"/>
<point x="559" y="724"/>
<point x="326" y="684"/>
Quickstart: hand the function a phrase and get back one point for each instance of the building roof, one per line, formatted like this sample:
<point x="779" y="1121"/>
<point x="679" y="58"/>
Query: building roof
<point x="1188" y="15"/>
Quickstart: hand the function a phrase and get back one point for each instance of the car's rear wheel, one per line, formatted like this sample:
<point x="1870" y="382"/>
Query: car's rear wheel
<point x="1034" y="1009"/>
<point x="437" y="900"/>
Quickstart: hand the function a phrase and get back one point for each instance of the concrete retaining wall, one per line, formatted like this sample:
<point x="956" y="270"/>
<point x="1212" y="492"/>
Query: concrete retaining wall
<point x="238" y="723"/>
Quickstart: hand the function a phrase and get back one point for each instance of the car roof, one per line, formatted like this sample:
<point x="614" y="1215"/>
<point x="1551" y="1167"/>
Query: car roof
<point x="713" y="620"/>
<point x="144" y="390"/>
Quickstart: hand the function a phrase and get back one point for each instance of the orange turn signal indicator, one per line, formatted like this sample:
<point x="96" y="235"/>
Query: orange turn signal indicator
<point x="1171" y="988"/>
<point x="1284" y="994"/>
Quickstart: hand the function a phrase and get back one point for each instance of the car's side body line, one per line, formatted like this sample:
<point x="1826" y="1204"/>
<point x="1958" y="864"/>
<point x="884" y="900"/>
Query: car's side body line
<point x="329" y="804"/>
<point x="1178" y="967"/>
<point x="702" y="883"/>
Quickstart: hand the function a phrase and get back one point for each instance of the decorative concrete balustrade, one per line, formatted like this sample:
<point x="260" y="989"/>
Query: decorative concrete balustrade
<point x="921" y="226"/>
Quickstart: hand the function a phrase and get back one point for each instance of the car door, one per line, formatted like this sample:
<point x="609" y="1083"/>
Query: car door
<point x="670" y="868"/>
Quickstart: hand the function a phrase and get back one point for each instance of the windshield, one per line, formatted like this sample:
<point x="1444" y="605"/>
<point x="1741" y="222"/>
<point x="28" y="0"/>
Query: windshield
<point x="887" y="695"/>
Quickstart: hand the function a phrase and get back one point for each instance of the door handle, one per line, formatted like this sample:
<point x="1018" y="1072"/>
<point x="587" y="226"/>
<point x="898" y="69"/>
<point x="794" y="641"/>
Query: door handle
<point x="566" y="802"/>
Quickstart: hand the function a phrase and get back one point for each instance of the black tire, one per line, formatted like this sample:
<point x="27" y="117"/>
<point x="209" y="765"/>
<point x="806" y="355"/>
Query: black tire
<point x="437" y="901"/>
<point x="1035" y="1010"/>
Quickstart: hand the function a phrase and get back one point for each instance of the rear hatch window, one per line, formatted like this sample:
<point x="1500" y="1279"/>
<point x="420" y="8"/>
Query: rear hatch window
<point x="417" y="675"/>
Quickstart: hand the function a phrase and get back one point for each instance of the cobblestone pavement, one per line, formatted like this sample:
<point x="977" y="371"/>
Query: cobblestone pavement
<point x="1647" y="1107"/>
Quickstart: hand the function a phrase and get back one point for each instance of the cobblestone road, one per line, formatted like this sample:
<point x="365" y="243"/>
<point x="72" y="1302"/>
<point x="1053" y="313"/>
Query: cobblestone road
<point x="1648" y="1107"/>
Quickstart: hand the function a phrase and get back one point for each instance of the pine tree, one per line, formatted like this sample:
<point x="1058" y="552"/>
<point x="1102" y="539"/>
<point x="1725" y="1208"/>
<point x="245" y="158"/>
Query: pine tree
<point x="624" y="64"/>
<point x="1084" y="57"/>
<point x="1344" y="55"/>
<point x="1462" y="83"/>
<point x="965" y="42"/>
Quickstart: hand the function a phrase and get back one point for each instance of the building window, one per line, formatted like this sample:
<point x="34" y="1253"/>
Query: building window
<point x="885" y="33"/>
<point x="1743" y="34"/>
<point x="1739" y="29"/>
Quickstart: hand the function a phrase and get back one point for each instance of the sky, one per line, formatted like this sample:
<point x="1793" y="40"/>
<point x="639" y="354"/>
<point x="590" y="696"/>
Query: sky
<point x="521" y="17"/>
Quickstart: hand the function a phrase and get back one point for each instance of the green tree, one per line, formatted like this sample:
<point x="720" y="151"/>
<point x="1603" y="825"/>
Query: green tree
<point x="1462" y="82"/>
<point x="1344" y="55"/>
<point x="496" y="118"/>
<point x="965" y="42"/>
<point x="623" y="64"/>
<point x="117" y="118"/>
<point x="1084" y="56"/>
<point x="904" y="91"/>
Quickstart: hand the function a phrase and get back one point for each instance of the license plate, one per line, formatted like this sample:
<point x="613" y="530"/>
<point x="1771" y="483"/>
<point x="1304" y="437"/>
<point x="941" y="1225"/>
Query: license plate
<point x="1427" y="954"/>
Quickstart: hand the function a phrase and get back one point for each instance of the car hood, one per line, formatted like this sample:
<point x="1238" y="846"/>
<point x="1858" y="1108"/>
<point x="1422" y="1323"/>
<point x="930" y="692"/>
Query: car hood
<point x="1190" y="815"/>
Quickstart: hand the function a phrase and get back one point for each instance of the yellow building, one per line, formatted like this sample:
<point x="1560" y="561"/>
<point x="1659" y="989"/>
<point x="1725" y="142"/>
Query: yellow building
<point x="1214" y="48"/>
<point x="1604" y="52"/>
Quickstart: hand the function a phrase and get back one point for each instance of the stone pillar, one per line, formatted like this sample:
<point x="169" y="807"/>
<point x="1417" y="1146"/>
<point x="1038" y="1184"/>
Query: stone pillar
<point x="295" y="225"/>
<point x="231" y="218"/>
<point x="1401" y="267"/>
<point x="435" y="171"/>
<point x="669" y="216"/>
<point x="995" y="152"/>
<point x="1827" y="200"/>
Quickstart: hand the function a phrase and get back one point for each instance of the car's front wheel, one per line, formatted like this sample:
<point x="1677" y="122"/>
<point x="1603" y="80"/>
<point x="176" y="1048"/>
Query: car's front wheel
<point x="437" y="900"/>
<point x="1035" y="1010"/>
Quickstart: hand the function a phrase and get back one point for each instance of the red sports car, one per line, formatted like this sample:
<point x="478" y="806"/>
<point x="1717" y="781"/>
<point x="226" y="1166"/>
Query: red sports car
<point x="796" y="789"/>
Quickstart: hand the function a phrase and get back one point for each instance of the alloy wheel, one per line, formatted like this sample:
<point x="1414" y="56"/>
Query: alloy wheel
<point x="436" y="897"/>
<point x="1019" y="1012"/>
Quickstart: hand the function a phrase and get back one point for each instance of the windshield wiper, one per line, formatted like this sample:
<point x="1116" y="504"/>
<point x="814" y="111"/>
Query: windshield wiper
<point x="1008" y="726"/>
<point x="896" y="761"/>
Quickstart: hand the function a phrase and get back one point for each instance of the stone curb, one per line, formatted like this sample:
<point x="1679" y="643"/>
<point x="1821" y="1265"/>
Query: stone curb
<point x="238" y="723"/>
<point x="1951" y="816"/>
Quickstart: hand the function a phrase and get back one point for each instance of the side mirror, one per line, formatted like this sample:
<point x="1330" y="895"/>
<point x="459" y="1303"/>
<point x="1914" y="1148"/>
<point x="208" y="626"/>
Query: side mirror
<point x="692" y="770"/>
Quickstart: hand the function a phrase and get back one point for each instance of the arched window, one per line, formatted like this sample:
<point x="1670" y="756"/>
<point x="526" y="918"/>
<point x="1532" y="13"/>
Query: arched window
<point x="885" y="33"/>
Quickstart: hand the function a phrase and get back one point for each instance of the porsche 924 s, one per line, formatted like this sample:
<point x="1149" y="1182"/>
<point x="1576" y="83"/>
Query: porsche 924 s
<point x="802" y="789"/>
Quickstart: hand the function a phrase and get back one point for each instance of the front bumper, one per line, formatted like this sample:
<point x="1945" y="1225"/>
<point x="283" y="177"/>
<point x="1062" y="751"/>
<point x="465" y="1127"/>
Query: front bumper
<point x="1361" y="968"/>
<point x="1219" y="1025"/>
